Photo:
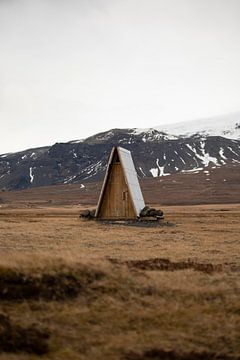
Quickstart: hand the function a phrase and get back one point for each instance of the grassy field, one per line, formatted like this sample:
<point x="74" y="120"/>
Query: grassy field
<point x="75" y="289"/>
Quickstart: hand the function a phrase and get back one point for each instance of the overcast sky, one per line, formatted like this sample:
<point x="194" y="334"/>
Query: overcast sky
<point x="71" y="68"/>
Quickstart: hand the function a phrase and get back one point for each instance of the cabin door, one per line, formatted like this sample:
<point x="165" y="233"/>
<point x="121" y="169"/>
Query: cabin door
<point x="120" y="192"/>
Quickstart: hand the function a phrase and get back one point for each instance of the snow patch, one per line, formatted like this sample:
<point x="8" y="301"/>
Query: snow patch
<point x="182" y="160"/>
<point x="31" y="175"/>
<point x="153" y="134"/>
<point x="232" y="151"/>
<point x="142" y="171"/>
<point x="74" y="154"/>
<point x="221" y="153"/>
<point x="154" y="172"/>
<point x="92" y="169"/>
<point x="69" y="179"/>
<point x="204" y="157"/>
<point x="193" y="171"/>
<point x="192" y="149"/>
<point x="76" y="141"/>
<point x="159" y="171"/>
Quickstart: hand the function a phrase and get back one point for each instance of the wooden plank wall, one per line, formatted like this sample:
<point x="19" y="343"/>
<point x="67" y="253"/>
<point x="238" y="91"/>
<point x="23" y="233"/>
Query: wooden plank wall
<point x="116" y="203"/>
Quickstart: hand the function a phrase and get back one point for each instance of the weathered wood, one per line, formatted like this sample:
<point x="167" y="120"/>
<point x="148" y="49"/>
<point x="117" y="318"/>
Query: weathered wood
<point x="117" y="203"/>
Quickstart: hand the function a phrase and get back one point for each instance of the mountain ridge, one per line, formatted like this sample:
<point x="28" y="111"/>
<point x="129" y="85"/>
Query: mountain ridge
<point x="223" y="125"/>
<point x="155" y="154"/>
<point x="227" y="126"/>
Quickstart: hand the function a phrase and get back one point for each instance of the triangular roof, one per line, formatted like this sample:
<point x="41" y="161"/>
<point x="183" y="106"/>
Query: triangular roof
<point x="130" y="176"/>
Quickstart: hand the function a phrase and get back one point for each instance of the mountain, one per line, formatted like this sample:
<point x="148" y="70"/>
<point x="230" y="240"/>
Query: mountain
<point x="190" y="147"/>
<point x="227" y="126"/>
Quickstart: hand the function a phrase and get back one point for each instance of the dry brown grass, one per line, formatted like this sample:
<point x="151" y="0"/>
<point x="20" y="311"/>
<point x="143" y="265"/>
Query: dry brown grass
<point x="207" y="233"/>
<point x="119" y="311"/>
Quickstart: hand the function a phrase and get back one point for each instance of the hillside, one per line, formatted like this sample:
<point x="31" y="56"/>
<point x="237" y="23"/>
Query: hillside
<point x="155" y="152"/>
<point x="219" y="186"/>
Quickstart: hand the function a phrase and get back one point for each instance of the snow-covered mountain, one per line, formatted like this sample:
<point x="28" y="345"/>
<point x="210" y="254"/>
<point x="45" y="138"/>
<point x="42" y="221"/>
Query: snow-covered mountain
<point x="191" y="147"/>
<point x="227" y="126"/>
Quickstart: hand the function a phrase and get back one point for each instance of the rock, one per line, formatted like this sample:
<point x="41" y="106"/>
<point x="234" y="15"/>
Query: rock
<point x="148" y="218"/>
<point x="159" y="213"/>
<point x="92" y="213"/>
<point x="152" y="212"/>
<point x="148" y="212"/>
<point x="144" y="211"/>
<point x="87" y="214"/>
<point x="84" y="213"/>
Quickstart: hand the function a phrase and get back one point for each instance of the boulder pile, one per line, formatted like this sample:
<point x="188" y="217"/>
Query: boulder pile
<point x="148" y="213"/>
<point x="87" y="214"/>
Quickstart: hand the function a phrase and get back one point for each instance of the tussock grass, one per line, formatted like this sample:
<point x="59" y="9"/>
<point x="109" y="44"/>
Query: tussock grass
<point x="167" y="265"/>
<point x="119" y="311"/>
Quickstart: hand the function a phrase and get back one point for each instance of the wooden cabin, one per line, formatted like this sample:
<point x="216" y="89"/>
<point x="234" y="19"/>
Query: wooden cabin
<point x="121" y="196"/>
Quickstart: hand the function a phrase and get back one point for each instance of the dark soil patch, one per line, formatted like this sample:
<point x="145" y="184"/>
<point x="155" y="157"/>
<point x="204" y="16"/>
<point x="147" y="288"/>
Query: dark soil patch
<point x="14" y="338"/>
<point x="158" y="354"/>
<point x="17" y="286"/>
<point x="167" y="265"/>
<point x="137" y="223"/>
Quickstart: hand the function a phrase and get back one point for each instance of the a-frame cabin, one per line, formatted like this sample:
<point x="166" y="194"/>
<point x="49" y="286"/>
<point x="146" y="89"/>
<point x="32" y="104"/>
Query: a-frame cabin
<point x="121" y="196"/>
